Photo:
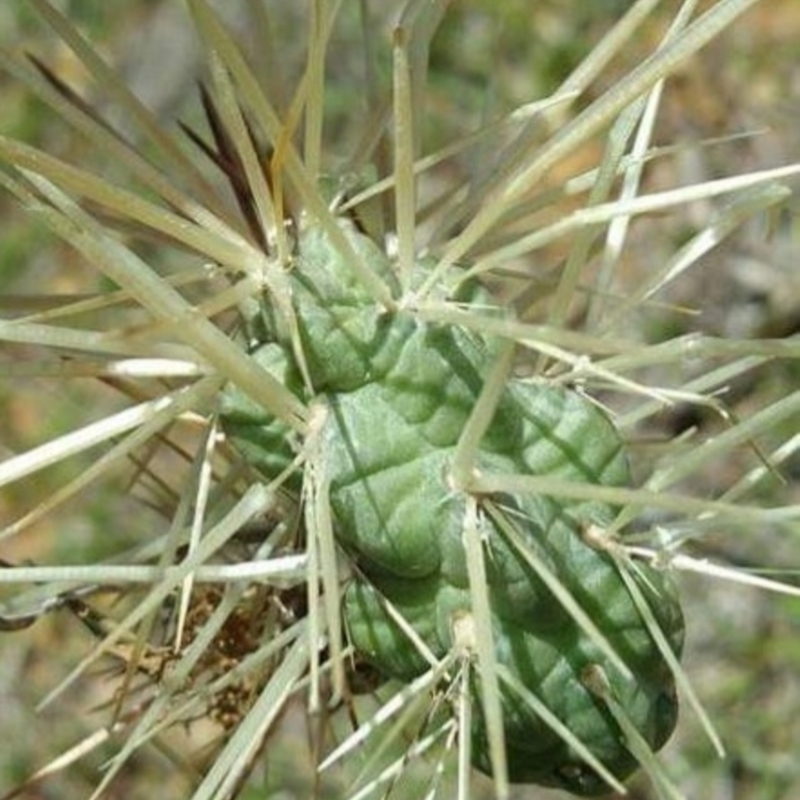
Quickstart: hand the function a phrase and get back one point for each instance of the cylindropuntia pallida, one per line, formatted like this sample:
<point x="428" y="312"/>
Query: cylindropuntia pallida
<point x="452" y="524"/>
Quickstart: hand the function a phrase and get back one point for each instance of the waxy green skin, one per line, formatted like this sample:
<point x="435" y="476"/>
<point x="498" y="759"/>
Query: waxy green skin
<point x="397" y="393"/>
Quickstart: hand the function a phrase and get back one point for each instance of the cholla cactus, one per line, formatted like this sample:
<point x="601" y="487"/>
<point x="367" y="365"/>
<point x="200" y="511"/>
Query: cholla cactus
<point x="404" y="503"/>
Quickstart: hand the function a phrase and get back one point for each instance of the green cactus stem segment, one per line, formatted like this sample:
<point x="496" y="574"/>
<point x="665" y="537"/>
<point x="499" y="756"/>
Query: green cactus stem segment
<point x="397" y="393"/>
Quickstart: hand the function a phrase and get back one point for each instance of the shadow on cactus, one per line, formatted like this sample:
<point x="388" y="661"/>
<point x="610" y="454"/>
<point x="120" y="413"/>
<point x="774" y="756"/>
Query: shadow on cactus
<point x="388" y="468"/>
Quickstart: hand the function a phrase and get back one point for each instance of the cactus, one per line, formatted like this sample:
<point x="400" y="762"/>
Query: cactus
<point x="394" y="422"/>
<point x="394" y="395"/>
